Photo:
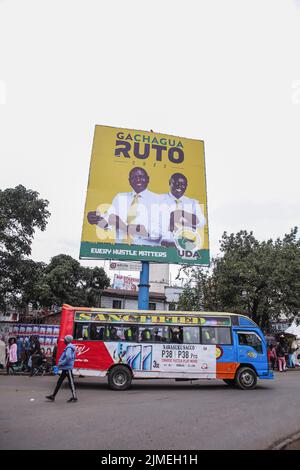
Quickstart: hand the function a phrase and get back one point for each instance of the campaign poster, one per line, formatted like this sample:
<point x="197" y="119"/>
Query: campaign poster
<point x="125" y="282"/>
<point x="56" y="330"/>
<point x="146" y="198"/>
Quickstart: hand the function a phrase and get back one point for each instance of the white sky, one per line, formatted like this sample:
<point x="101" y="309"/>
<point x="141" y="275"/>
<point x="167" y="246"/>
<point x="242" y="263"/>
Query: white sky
<point x="227" y="72"/>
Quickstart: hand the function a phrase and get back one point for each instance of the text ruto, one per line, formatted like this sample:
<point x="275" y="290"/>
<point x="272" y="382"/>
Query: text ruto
<point x="140" y="146"/>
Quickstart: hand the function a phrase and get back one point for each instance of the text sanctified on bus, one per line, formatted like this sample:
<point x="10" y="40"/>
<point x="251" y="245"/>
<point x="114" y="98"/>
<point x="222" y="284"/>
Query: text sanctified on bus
<point x="132" y="344"/>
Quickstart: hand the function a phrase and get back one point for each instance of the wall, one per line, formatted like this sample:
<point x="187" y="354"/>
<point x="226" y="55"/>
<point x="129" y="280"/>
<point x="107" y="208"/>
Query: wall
<point x="129" y="304"/>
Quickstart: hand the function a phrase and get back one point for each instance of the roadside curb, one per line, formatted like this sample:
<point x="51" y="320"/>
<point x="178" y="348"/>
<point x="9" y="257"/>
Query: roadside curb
<point x="282" y="444"/>
<point x="24" y="374"/>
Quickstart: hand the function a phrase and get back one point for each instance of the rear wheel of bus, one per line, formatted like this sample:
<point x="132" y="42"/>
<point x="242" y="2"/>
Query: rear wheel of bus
<point x="119" y="378"/>
<point x="246" y="378"/>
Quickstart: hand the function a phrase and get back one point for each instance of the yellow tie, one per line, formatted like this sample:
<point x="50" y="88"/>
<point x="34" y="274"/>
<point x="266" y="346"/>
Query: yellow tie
<point x="132" y="213"/>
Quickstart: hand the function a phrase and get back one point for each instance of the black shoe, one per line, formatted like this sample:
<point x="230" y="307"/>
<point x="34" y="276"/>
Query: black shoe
<point x="72" y="399"/>
<point x="50" y="397"/>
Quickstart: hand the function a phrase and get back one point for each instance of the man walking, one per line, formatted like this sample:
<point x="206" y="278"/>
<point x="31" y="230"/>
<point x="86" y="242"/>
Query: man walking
<point x="66" y="364"/>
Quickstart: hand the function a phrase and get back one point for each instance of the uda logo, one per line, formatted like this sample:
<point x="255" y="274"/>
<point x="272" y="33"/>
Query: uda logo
<point x="188" y="242"/>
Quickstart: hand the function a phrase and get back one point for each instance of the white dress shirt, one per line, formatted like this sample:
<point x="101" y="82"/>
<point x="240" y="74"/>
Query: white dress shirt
<point x="147" y="214"/>
<point x="169" y="204"/>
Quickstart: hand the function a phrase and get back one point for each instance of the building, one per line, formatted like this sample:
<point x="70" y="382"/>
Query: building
<point x="159" y="275"/>
<point x="6" y="320"/>
<point x="128" y="299"/>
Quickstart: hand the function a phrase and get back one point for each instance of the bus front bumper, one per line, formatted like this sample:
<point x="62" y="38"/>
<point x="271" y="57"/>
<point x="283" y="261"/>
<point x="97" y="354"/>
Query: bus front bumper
<point x="267" y="376"/>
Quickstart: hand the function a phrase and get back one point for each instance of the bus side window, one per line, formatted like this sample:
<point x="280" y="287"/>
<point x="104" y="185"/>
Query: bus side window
<point x="115" y="333"/>
<point x="97" y="331"/>
<point x="176" y="334"/>
<point x="130" y="333"/>
<point x="153" y="334"/>
<point x="160" y="334"/>
<point x="216" y="335"/>
<point x="208" y="335"/>
<point x="81" y="331"/>
<point x="145" y="334"/>
<point x="106" y="334"/>
<point x="191" y="334"/>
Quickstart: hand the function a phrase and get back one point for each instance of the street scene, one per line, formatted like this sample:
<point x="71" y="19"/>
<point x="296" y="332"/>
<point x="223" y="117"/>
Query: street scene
<point x="155" y="415"/>
<point x="149" y="230"/>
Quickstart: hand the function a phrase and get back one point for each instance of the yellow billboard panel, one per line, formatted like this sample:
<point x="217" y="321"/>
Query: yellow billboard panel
<point x="146" y="198"/>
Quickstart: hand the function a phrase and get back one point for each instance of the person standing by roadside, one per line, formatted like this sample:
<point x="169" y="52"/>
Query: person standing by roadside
<point x="35" y="354"/>
<point x="54" y="353"/>
<point x="19" y="349"/>
<point x="280" y="351"/>
<point x="2" y="352"/>
<point x="66" y="364"/>
<point x="12" y="357"/>
<point x="273" y="356"/>
<point x="26" y="349"/>
<point x="292" y="356"/>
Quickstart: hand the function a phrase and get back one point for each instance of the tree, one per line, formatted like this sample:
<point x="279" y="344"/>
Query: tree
<point x="21" y="213"/>
<point x="66" y="281"/>
<point x="199" y="293"/>
<point x="257" y="278"/>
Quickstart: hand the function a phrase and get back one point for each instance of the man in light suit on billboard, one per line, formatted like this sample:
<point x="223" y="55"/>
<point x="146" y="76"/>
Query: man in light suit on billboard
<point x="179" y="211"/>
<point x="134" y="215"/>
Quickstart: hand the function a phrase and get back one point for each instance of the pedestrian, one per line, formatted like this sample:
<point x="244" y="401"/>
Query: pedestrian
<point x="19" y="349"/>
<point x="66" y="364"/>
<point x="2" y="352"/>
<point x="280" y="351"/>
<point x="12" y="357"/>
<point x="35" y="354"/>
<point x="26" y="349"/>
<point x="292" y="356"/>
<point x="297" y="357"/>
<point x="273" y="356"/>
<point x="54" y="352"/>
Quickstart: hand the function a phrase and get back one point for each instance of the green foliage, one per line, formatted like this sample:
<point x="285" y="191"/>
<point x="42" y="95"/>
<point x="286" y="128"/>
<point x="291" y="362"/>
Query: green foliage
<point x="21" y="213"/>
<point x="261" y="279"/>
<point x="23" y="281"/>
<point x="66" y="281"/>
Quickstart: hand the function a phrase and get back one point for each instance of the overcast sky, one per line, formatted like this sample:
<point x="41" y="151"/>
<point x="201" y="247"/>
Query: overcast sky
<point x="226" y="72"/>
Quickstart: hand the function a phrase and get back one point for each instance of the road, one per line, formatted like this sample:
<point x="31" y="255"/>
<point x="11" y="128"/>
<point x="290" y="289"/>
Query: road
<point x="157" y="415"/>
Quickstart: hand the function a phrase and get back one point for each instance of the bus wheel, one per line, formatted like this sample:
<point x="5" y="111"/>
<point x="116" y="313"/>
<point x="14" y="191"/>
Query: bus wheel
<point x="230" y="382"/>
<point x="246" y="378"/>
<point x="119" y="378"/>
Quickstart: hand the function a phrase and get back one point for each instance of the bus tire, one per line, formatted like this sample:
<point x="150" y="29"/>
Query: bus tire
<point x="119" y="378"/>
<point x="230" y="382"/>
<point x="246" y="378"/>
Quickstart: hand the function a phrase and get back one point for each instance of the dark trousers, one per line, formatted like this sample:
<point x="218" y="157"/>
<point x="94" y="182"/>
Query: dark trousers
<point x="63" y="375"/>
<point x="273" y="362"/>
<point x="10" y="365"/>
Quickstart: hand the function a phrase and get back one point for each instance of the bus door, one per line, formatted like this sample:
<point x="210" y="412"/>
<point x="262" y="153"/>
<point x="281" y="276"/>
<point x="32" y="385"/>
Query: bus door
<point x="251" y="349"/>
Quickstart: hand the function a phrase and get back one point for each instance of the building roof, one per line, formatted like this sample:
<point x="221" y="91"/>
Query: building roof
<point x="132" y="294"/>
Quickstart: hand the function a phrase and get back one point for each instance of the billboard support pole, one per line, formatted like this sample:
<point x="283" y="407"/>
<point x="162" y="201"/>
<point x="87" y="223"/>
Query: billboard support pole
<point x="143" y="300"/>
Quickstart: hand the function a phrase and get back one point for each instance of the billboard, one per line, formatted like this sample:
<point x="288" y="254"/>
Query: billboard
<point x="146" y="198"/>
<point x="122" y="266"/>
<point x="47" y="335"/>
<point x="125" y="282"/>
